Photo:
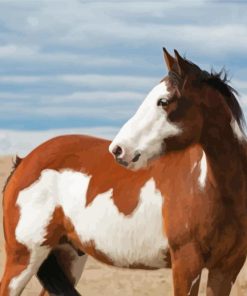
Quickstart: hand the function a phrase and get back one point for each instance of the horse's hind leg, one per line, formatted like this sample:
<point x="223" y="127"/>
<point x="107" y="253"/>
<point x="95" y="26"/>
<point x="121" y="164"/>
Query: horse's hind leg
<point x="220" y="282"/>
<point x="21" y="265"/>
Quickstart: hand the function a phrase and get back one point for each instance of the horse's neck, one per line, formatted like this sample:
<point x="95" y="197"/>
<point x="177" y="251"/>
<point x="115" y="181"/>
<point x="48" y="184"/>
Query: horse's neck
<point x="177" y="173"/>
<point x="227" y="156"/>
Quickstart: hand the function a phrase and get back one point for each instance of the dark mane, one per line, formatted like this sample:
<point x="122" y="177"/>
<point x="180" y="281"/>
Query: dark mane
<point x="221" y="82"/>
<point x="16" y="163"/>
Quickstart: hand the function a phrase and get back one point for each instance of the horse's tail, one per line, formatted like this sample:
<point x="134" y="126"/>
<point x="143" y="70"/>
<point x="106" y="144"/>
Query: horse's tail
<point x="16" y="163"/>
<point x="53" y="278"/>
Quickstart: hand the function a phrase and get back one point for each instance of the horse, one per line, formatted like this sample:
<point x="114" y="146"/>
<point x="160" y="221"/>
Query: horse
<point x="207" y="226"/>
<point x="168" y="191"/>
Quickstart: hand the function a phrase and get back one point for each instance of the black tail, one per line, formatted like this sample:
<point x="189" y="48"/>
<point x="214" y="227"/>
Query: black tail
<point x="54" y="280"/>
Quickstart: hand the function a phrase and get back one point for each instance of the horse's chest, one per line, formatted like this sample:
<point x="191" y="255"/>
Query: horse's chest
<point x="136" y="239"/>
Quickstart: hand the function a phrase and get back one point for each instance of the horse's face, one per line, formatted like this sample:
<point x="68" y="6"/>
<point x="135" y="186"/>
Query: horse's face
<point x="166" y="121"/>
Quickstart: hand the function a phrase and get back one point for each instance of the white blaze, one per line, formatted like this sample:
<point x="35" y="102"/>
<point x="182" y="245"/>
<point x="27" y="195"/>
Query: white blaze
<point x="146" y="130"/>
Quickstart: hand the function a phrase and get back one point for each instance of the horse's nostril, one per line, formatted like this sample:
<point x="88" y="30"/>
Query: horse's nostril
<point x="117" y="151"/>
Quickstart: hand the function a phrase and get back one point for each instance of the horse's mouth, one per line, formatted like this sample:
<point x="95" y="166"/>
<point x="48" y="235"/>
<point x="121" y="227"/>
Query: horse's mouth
<point x="122" y="162"/>
<point x="126" y="163"/>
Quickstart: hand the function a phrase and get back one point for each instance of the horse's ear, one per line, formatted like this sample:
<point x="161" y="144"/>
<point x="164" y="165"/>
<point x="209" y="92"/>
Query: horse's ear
<point x="183" y="65"/>
<point x="169" y="60"/>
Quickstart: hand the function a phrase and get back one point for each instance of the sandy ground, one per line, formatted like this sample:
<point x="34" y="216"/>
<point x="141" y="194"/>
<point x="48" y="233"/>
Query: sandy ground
<point x="99" y="279"/>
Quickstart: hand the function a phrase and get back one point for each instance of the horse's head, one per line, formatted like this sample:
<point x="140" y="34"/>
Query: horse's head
<point x="173" y="114"/>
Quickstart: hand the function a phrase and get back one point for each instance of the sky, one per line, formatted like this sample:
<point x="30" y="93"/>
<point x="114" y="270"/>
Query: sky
<point x="85" y="66"/>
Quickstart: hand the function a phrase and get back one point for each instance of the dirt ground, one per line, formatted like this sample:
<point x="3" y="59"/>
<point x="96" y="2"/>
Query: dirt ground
<point x="99" y="279"/>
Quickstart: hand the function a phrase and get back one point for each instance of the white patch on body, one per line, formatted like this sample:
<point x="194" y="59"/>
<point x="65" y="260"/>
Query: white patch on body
<point x="127" y="240"/>
<point x="37" y="204"/>
<point x="37" y="256"/>
<point x="203" y="171"/>
<point x="145" y="131"/>
<point x="237" y="131"/>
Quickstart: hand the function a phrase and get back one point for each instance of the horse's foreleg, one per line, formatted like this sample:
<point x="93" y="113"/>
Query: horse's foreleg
<point x="187" y="265"/>
<point x="220" y="281"/>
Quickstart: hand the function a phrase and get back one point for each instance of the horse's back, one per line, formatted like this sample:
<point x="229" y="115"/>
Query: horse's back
<point x="69" y="152"/>
<point x="57" y="153"/>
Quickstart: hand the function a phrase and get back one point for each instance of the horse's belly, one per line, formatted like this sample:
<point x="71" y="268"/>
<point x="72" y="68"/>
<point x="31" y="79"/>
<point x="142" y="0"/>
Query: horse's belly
<point x="122" y="252"/>
<point x="125" y="240"/>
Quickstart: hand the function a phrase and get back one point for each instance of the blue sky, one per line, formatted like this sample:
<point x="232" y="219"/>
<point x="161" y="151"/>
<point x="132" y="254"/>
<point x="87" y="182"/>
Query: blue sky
<point x="87" y="65"/>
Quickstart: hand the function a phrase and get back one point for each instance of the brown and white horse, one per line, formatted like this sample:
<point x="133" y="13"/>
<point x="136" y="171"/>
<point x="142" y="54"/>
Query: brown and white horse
<point x="178" y="197"/>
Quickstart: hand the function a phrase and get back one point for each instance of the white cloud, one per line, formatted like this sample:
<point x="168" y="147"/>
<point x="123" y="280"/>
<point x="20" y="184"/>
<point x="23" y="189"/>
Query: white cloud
<point x="68" y="58"/>
<point x="22" y="142"/>
<point x="88" y="80"/>
<point x="112" y="81"/>
<point x="78" y="97"/>
<point x="98" y="105"/>
<point x="14" y="52"/>
<point x="9" y="96"/>
<point x="96" y="113"/>
<point x="90" y="24"/>
<point x="96" y="97"/>
<point x="16" y="79"/>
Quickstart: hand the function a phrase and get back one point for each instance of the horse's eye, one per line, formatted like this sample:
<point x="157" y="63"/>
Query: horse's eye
<point x="163" y="102"/>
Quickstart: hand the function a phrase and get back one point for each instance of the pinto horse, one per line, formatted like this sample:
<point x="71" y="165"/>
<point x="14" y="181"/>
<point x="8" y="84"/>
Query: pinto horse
<point x="175" y="195"/>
